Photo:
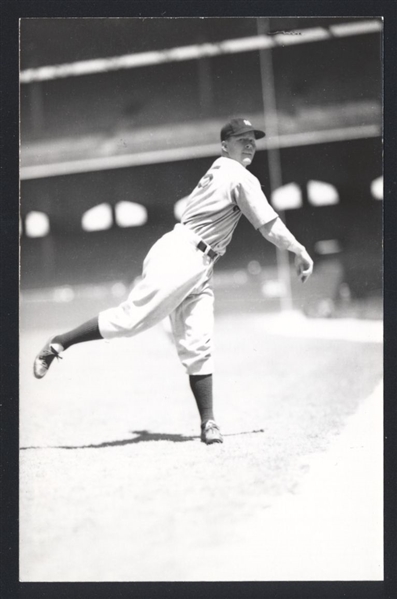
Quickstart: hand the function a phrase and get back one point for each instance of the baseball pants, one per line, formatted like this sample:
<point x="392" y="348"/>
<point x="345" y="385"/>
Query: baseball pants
<point x="176" y="282"/>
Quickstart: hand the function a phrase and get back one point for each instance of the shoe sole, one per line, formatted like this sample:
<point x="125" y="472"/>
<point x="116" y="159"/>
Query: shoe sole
<point x="36" y="375"/>
<point x="40" y="376"/>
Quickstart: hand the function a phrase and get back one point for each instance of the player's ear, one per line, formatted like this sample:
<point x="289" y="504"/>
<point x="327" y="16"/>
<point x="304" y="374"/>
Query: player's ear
<point x="224" y="146"/>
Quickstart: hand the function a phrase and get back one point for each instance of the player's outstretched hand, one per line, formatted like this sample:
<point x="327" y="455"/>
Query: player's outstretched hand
<point x="304" y="265"/>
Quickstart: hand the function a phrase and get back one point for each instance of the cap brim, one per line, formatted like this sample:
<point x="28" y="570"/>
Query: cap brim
<point x="259" y="134"/>
<point x="225" y="134"/>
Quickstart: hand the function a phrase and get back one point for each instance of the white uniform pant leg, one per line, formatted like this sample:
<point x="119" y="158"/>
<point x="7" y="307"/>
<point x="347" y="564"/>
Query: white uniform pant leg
<point x="192" y="326"/>
<point x="171" y="270"/>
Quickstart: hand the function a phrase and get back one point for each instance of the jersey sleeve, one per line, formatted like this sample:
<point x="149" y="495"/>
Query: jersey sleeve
<point x="252" y="202"/>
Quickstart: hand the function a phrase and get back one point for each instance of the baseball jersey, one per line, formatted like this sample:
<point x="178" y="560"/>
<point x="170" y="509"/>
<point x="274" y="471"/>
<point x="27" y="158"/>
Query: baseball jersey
<point x="222" y="195"/>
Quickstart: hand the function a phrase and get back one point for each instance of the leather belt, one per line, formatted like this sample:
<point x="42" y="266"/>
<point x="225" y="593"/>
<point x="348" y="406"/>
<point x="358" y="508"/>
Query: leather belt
<point x="204" y="247"/>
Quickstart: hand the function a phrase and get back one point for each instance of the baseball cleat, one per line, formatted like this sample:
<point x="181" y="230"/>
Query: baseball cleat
<point x="45" y="357"/>
<point x="210" y="433"/>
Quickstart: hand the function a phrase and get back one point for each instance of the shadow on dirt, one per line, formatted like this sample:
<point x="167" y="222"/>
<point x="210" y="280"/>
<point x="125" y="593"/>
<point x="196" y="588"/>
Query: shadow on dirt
<point x="141" y="437"/>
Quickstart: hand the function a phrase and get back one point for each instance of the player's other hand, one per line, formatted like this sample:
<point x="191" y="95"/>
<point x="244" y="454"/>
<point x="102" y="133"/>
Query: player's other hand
<point x="303" y="265"/>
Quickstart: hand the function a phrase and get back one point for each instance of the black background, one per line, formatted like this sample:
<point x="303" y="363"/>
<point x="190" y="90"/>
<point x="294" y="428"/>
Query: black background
<point x="10" y="588"/>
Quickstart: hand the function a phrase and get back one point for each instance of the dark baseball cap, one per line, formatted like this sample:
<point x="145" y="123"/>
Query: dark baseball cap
<point x="238" y="126"/>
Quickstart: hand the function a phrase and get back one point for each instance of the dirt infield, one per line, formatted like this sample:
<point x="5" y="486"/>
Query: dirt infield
<point x="114" y="482"/>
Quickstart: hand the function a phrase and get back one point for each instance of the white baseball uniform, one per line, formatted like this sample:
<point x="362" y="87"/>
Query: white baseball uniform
<point x="177" y="275"/>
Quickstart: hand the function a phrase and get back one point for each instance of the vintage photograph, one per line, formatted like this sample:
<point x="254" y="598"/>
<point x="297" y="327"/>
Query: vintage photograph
<point x="201" y="302"/>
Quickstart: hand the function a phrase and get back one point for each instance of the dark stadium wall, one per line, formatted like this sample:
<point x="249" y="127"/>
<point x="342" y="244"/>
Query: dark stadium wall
<point x="70" y="255"/>
<point x="308" y="77"/>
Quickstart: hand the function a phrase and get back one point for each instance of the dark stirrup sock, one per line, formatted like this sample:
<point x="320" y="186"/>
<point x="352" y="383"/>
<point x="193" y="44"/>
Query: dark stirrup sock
<point x="88" y="331"/>
<point x="201" y="385"/>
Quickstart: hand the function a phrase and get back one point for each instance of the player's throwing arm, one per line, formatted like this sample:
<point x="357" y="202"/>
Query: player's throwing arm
<point x="277" y="233"/>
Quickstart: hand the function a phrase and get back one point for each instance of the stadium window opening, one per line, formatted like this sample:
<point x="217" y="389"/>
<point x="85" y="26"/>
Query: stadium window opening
<point x="320" y="193"/>
<point x="98" y="218"/>
<point x="130" y="214"/>
<point x="37" y="224"/>
<point x="287" y="197"/>
<point x="377" y="188"/>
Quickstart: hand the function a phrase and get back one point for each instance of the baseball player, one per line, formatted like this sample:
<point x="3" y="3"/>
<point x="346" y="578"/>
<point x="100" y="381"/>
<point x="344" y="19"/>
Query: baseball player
<point x="177" y="272"/>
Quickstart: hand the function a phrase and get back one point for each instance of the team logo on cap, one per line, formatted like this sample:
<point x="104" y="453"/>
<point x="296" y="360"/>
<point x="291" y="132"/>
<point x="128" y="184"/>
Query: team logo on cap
<point x="247" y="123"/>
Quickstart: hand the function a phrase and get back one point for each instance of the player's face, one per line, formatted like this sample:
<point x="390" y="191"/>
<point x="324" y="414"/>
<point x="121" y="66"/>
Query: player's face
<point x="241" y="148"/>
